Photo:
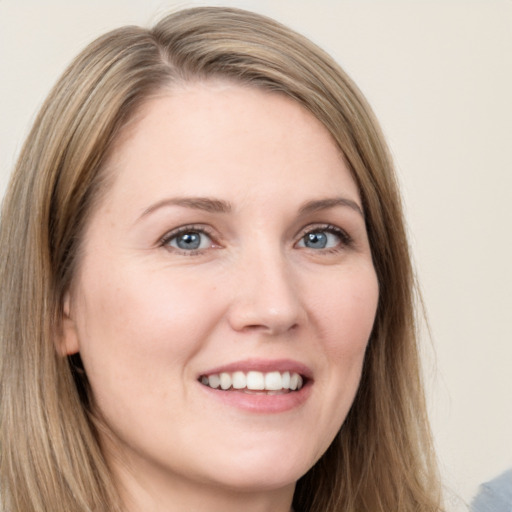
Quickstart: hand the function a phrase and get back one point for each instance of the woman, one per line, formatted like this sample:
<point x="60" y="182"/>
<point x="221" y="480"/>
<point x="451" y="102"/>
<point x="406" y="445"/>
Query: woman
<point x="207" y="292"/>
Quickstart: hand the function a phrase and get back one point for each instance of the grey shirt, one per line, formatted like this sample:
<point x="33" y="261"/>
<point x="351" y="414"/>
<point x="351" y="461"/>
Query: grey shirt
<point x="495" y="496"/>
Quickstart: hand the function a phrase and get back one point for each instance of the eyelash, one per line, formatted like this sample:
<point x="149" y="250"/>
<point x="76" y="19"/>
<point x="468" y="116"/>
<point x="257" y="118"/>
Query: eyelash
<point x="346" y="240"/>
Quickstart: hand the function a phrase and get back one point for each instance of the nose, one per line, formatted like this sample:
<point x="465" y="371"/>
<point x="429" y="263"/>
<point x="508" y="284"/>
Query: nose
<point x="266" y="297"/>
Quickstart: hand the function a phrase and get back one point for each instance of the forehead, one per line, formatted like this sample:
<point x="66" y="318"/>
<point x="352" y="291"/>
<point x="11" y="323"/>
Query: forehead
<point x="217" y="138"/>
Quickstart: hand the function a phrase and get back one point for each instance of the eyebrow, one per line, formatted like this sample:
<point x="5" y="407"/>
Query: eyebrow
<point x="197" y="203"/>
<point x="331" y="202"/>
<point x="211" y="205"/>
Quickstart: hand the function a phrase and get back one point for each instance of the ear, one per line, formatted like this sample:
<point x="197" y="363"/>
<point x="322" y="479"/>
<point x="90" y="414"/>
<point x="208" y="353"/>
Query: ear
<point x="67" y="342"/>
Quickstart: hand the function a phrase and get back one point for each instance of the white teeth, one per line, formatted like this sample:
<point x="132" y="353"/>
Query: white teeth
<point x="273" y="381"/>
<point x="294" y="381"/>
<point x="214" y="381"/>
<point x="239" y="380"/>
<point x="225" y="380"/>
<point x="254" y="381"/>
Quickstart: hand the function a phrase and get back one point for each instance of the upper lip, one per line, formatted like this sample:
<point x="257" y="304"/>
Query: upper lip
<point x="262" y="365"/>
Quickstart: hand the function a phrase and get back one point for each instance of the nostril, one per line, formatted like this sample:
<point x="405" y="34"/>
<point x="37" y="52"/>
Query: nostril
<point x="258" y="318"/>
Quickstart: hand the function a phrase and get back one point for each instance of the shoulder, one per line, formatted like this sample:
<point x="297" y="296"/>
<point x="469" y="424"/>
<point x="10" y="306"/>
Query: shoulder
<point x="495" y="495"/>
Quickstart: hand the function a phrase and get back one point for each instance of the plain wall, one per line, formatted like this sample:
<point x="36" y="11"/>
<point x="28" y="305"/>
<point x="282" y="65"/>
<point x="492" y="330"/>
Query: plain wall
<point x="439" y="76"/>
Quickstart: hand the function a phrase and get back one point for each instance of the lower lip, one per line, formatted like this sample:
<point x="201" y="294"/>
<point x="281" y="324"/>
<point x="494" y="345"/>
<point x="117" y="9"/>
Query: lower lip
<point x="260" y="403"/>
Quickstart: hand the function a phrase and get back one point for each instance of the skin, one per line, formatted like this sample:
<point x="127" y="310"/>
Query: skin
<point x="149" y="317"/>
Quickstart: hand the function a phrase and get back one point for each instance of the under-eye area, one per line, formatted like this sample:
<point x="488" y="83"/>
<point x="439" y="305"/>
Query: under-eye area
<point x="255" y="382"/>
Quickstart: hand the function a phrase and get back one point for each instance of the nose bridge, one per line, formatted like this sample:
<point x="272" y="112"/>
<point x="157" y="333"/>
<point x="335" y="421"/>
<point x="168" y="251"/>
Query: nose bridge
<point x="266" y="295"/>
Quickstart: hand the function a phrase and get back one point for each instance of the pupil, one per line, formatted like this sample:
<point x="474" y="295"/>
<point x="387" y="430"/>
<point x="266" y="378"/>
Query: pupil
<point x="316" y="240"/>
<point x="189" y="241"/>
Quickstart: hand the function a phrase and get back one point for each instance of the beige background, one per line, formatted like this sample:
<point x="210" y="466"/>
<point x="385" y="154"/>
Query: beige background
<point x="439" y="76"/>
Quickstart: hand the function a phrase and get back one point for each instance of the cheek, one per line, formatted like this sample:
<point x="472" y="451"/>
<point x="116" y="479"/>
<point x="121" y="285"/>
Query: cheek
<point x="342" y="313"/>
<point x="347" y="313"/>
<point x="136" y="301"/>
<point x="135" y="328"/>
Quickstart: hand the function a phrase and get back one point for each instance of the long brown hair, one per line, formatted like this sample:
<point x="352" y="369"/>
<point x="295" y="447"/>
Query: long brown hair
<point x="382" y="458"/>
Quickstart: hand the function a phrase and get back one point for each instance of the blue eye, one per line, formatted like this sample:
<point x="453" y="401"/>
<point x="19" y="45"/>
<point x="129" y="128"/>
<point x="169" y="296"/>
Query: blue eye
<point x="189" y="241"/>
<point x="323" y="239"/>
<point x="316" y="240"/>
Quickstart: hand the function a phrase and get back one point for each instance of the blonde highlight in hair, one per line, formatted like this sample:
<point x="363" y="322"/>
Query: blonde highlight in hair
<point x="50" y="458"/>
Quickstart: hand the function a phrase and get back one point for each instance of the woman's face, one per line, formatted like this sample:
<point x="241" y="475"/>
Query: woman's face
<point x="229" y="255"/>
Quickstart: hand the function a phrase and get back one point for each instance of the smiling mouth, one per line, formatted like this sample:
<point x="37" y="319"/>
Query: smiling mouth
<point x="255" y="382"/>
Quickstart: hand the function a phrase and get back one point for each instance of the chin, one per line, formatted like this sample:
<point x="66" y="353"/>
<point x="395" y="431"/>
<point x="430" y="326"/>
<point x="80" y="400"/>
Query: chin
<point x="255" y="480"/>
<point x="262" y="471"/>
